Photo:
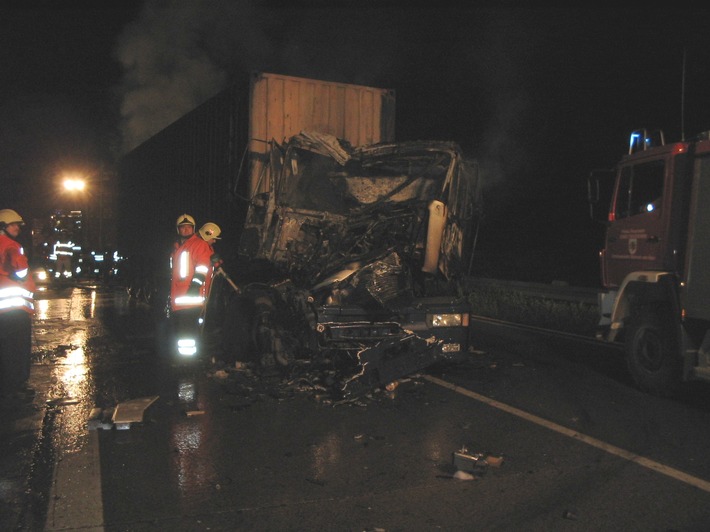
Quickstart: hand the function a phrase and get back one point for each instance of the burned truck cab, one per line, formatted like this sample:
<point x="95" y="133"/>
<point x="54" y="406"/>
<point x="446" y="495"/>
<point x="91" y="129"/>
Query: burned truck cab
<point x="364" y="247"/>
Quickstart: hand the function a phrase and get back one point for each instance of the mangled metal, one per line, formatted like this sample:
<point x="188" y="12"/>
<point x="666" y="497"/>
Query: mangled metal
<point x="346" y="251"/>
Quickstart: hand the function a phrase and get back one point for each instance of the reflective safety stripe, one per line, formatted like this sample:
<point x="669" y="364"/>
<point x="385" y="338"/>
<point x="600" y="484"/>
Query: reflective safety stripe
<point x="22" y="273"/>
<point x="184" y="259"/>
<point x="189" y="300"/>
<point x="12" y="291"/>
<point x="187" y="346"/>
<point x="201" y="269"/>
<point x="16" y="302"/>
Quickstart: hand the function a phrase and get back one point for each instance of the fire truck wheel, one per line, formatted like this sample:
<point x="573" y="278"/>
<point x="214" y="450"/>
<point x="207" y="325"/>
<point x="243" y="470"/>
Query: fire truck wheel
<point x="652" y="354"/>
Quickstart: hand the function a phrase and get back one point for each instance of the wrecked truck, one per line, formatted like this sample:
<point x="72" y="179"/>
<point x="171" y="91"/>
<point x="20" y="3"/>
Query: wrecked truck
<point x="351" y="261"/>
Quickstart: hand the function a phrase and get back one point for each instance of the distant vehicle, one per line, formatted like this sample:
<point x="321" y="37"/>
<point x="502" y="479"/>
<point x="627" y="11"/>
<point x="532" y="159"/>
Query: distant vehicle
<point x="656" y="259"/>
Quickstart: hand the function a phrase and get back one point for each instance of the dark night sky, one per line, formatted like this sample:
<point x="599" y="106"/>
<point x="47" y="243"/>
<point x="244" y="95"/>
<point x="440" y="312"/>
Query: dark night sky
<point x="539" y="96"/>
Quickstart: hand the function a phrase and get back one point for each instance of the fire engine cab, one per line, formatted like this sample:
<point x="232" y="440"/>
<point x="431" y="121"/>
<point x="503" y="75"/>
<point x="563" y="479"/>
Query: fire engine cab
<point x="655" y="263"/>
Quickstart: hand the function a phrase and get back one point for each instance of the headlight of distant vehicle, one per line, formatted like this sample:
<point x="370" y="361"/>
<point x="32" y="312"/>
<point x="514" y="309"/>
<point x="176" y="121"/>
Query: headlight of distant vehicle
<point x="447" y="320"/>
<point x="40" y="276"/>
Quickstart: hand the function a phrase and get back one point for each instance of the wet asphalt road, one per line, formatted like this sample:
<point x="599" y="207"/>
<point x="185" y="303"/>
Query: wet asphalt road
<point x="222" y="450"/>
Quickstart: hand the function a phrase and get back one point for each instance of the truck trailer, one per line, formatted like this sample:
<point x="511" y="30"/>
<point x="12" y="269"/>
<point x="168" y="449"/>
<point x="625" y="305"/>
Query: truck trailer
<point x="656" y="257"/>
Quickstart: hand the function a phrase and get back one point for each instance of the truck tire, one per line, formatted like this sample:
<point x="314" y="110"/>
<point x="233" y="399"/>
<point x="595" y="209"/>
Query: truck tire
<point x="652" y="356"/>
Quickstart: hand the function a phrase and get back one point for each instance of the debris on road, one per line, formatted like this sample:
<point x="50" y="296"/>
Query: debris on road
<point x="131" y="411"/>
<point x="462" y="475"/>
<point x="494" y="460"/>
<point x="470" y="463"/>
<point x="246" y="385"/>
<point x="62" y="401"/>
<point x="100" y="419"/>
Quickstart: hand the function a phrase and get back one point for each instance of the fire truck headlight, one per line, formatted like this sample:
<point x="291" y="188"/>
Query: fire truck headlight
<point x="447" y="320"/>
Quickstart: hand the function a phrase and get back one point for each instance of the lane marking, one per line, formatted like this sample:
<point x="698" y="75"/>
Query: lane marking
<point x="75" y="497"/>
<point x="611" y="449"/>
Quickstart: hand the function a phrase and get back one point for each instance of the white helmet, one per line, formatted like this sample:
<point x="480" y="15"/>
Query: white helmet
<point x="8" y="216"/>
<point x="184" y="219"/>
<point x="209" y="231"/>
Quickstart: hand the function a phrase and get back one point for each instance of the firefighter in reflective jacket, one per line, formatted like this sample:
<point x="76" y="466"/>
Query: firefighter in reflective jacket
<point x="16" y="308"/>
<point x="191" y="273"/>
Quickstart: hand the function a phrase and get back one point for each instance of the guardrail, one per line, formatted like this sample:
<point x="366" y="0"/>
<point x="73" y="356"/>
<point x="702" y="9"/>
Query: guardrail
<point x="559" y="292"/>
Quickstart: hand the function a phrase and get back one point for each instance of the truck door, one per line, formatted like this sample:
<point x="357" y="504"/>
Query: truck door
<point x="635" y="234"/>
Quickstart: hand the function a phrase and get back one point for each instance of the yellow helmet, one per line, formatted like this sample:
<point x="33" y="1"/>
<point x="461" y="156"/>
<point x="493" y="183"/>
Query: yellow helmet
<point x="209" y="231"/>
<point x="185" y="219"/>
<point x="8" y="216"/>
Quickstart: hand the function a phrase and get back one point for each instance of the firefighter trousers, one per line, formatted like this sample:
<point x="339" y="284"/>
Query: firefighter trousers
<point x="15" y="351"/>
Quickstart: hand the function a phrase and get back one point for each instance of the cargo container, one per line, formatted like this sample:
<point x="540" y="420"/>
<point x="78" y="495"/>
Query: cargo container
<point x="211" y="161"/>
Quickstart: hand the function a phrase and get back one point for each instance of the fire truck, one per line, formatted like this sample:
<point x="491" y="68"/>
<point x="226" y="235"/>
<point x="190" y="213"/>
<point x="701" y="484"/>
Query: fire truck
<point x="655" y="262"/>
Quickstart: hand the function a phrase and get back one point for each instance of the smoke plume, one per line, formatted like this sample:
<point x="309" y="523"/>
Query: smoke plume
<point x="174" y="59"/>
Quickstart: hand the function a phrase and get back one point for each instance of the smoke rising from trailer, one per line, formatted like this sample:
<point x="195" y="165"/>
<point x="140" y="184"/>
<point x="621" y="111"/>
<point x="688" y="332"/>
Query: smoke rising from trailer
<point x="176" y="54"/>
<point x="166" y="71"/>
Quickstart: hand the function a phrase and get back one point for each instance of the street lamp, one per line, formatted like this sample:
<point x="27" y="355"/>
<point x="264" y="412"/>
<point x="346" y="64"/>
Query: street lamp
<point x="77" y="183"/>
<point x="74" y="184"/>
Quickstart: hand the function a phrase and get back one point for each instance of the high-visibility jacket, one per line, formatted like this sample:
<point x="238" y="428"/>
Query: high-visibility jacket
<point x="191" y="273"/>
<point x="16" y="284"/>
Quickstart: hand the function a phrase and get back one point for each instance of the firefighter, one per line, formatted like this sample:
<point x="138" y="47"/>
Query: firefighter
<point x="210" y="233"/>
<point x="16" y="310"/>
<point x="191" y="273"/>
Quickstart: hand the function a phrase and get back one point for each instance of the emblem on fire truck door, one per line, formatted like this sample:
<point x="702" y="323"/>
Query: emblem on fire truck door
<point x="633" y="246"/>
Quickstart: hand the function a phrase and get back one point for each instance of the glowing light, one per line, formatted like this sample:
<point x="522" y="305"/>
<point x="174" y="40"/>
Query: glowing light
<point x="187" y="346"/>
<point x="74" y="183"/>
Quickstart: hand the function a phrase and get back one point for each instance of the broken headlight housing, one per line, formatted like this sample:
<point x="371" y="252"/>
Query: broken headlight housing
<point x="447" y="320"/>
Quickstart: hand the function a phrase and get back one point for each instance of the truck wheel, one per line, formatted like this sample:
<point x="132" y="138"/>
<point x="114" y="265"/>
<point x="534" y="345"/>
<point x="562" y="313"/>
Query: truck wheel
<point x="652" y="354"/>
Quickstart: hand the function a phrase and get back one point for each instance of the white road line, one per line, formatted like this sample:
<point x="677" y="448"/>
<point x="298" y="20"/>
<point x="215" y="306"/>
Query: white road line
<point x="611" y="449"/>
<point x="75" y="498"/>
